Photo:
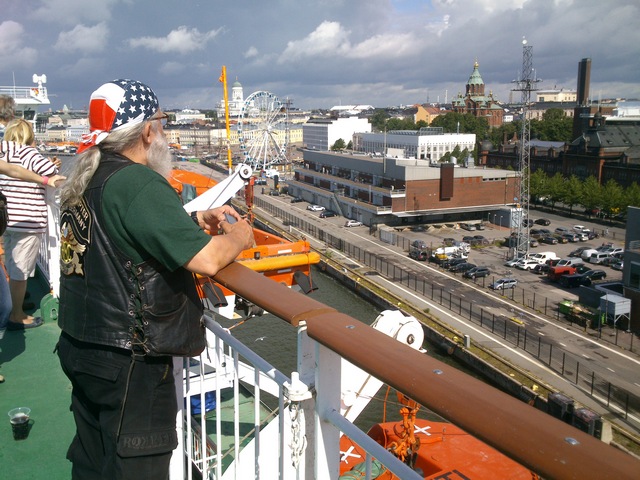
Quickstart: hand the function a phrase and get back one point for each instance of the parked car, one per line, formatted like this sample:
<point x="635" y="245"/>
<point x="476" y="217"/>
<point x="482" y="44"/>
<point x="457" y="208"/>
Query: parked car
<point x="297" y="200"/>
<point x="451" y="262"/>
<point x="527" y="222"/>
<point x="548" y="239"/>
<point x="575" y="280"/>
<point x="561" y="230"/>
<point x="315" y="208"/>
<point x="542" y="221"/>
<point x="356" y="223"/>
<point x="512" y="262"/>
<point x="448" y="241"/>
<point x="526" y="264"/>
<point x="581" y="229"/>
<point x="468" y="226"/>
<point x="578" y="251"/>
<point x="418" y="228"/>
<point x="617" y="265"/>
<point x="479" y="226"/>
<point x="545" y="231"/>
<point x="420" y="255"/>
<point x="462" y="267"/>
<point x="533" y="243"/>
<point x="504" y="283"/>
<point x="327" y="214"/>
<point x="477" y="272"/>
<point x="599" y="257"/>
<point x="541" y="268"/>
<point x="561" y="238"/>
<point x="571" y="237"/>
<point x="415" y="244"/>
<point x="596" y="274"/>
<point x="481" y="239"/>
<point x="535" y="232"/>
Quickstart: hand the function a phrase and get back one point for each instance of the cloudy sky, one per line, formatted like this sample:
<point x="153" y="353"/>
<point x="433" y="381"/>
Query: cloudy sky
<point x="317" y="53"/>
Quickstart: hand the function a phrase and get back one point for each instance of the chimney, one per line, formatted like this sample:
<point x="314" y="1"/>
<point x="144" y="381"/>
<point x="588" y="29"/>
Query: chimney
<point x="584" y="79"/>
<point x="581" y="112"/>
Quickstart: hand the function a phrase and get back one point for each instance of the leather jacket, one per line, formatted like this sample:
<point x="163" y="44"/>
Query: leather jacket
<point x="107" y="299"/>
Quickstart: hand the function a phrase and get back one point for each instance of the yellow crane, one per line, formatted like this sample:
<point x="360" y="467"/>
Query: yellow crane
<point x="223" y="80"/>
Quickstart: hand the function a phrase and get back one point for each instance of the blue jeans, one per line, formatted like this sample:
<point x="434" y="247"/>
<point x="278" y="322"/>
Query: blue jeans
<point x="5" y="299"/>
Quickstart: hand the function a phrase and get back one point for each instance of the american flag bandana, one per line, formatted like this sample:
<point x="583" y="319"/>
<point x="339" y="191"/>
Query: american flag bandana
<point x="116" y="105"/>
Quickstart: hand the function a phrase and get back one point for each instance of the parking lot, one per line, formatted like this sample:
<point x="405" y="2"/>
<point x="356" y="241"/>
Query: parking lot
<point x="494" y="257"/>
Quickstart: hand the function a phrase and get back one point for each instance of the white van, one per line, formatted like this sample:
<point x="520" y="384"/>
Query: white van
<point x="599" y="257"/>
<point x="586" y="254"/>
<point x="542" y="257"/>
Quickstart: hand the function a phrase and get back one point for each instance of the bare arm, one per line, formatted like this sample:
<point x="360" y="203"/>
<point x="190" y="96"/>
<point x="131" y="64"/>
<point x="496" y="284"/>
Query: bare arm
<point x="16" y="171"/>
<point x="21" y="173"/>
<point x="221" y="249"/>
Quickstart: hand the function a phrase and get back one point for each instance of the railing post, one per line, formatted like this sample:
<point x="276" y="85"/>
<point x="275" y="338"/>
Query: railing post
<point x="327" y="437"/>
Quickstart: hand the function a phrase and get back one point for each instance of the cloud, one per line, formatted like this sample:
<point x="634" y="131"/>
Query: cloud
<point x="251" y="52"/>
<point x="171" y="68"/>
<point x="84" y="39"/>
<point x="183" y="40"/>
<point x="72" y="12"/>
<point x="327" y="40"/>
<point x="13" y="53"/>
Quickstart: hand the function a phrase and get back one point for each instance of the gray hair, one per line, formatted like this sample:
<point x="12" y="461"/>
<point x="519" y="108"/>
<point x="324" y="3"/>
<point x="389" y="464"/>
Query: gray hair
<point x="7" y="108"/>
<point x="86" y="163"/>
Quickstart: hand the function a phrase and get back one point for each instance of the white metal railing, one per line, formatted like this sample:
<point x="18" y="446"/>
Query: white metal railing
<point x="301" y="442"/>
<point x="20" y="93"/>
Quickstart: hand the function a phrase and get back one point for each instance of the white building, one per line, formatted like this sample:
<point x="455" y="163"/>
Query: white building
<point x="189" y="116"/>
<point x="322" y="133"/>
<point x="236" y="101"/>
<point x="349" y="110"/>
<point x="425" y="144"/>
<point x="556" y="95"/>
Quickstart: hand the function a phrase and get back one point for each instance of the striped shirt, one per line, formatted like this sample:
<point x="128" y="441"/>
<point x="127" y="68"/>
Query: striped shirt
<point x="25" y="200"/>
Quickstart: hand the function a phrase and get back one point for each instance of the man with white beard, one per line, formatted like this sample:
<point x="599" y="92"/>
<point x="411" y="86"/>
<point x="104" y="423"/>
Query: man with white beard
<point x="128" y="300"/>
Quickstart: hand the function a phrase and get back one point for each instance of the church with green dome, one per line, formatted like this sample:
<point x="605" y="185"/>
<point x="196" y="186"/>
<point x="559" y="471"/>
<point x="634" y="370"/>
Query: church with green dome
<point x="476" y="102"/>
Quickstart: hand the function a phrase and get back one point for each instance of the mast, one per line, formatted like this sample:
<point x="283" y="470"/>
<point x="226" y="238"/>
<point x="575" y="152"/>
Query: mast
<point x="223" y="80"/>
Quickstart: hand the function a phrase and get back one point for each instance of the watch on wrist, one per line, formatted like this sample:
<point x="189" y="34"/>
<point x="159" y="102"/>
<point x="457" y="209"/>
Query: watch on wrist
<point x="194" y="217"/>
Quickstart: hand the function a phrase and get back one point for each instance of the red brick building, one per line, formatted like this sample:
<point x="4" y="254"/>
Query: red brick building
<point x="476" y="102"/>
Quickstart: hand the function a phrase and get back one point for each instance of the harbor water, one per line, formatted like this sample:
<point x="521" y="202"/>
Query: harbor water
<point x="275" y="340"/>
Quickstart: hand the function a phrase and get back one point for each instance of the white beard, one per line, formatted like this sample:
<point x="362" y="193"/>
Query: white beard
<point x="159" y="157"/>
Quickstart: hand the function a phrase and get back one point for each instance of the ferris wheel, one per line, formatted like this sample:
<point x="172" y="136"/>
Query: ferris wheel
<point x="262" y="130"/>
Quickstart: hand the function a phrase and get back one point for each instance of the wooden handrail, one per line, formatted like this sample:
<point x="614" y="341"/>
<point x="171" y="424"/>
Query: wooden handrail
<point x="533" y="438"/>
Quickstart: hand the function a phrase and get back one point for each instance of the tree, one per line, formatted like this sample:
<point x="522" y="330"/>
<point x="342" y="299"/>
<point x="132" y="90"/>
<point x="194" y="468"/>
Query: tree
<point x="556" y="188"/>
<point x="379" y="119"/>
<point x="573" y="192"/>
<point x="591" y="195"/>
<point x="453" y="122"/>
<point x="612" y="198"/>
<point x="339" y="145"/>
<point x="538" y="185"/>
<point x="632" y="195"/>
<point x="555" y="126"/>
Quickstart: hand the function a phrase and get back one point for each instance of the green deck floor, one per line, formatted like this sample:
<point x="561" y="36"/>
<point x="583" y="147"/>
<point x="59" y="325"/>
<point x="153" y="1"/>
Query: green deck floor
<point x="34" y="379"/>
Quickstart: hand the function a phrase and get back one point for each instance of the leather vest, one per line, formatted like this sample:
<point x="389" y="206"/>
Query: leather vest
<point x="107" y="299"/>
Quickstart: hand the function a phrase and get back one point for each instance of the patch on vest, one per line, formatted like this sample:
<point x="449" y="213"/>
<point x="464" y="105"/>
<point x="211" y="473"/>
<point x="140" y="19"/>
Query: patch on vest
<point x="75" y="235"/>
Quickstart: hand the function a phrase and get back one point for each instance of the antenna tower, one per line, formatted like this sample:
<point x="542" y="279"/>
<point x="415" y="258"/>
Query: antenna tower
<point x="520" y="212"/>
